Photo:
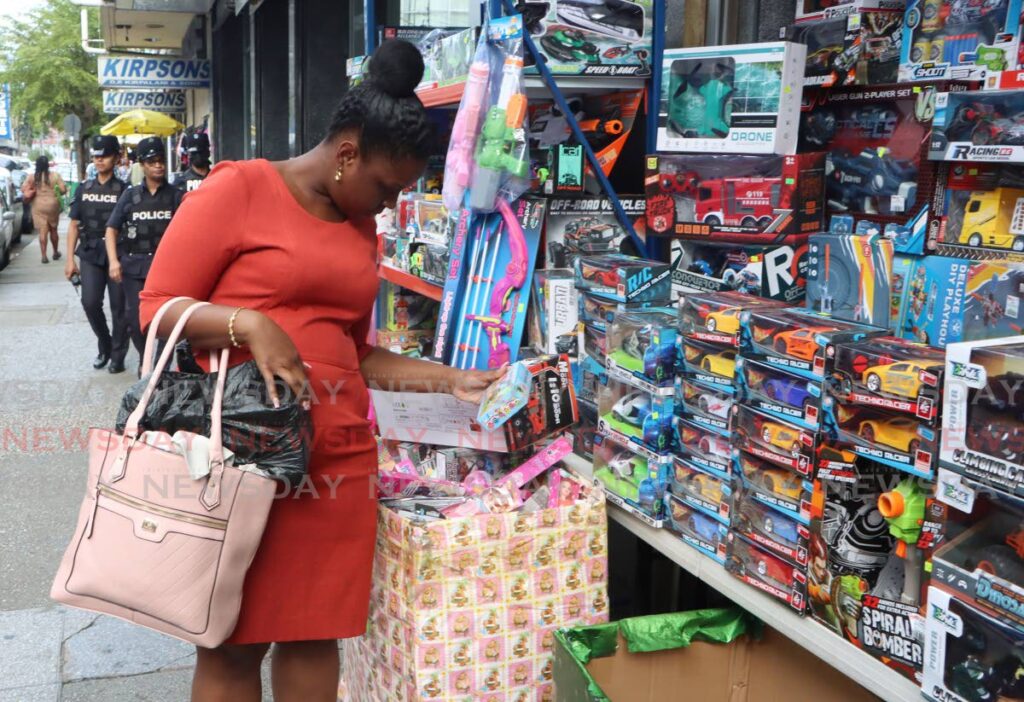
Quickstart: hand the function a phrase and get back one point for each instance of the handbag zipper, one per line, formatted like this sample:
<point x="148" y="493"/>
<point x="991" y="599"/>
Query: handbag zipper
<point x="179" y="515"/>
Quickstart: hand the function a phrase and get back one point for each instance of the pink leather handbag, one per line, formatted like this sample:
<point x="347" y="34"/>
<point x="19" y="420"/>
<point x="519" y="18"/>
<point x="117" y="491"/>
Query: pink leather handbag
<point x="154" y="546"/>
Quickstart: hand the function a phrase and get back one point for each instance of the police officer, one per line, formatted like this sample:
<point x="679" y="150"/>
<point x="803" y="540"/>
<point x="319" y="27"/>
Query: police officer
<point x="198" y="148"/>
<point x="90" y="210"/>
<point x="136" y="226"/>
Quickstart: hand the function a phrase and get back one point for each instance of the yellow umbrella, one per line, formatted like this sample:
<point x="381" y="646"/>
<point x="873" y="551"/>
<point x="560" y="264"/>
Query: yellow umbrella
<point x="142" y="122"/>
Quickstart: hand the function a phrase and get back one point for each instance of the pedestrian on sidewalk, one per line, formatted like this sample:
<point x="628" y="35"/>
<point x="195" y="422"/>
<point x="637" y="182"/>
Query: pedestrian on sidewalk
<point x="286" y="253"/>
<point x="135" y="228"/>
<point x="90" y="209"/>
<point x="42" y="190"/>
<point x="197" y="146"/>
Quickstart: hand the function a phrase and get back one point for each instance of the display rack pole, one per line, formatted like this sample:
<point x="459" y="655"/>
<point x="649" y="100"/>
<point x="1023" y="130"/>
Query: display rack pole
<point x="654" y="94"/>
<point x="369" y="27"/>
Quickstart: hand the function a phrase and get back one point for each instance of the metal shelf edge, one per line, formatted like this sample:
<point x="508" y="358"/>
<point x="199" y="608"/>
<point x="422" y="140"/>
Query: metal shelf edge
<point x="410" y="282"/>
<point x="451" y="95"/>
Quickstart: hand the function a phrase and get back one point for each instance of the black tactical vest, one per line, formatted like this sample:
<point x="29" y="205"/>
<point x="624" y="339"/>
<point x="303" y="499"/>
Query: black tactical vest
<point x="97" y="202"/>
<point x="189" y="180"/>
<point x="146" y="218"/>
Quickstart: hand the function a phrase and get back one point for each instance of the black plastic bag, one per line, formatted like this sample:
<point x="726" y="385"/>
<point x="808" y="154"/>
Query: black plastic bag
<point x="277" y="441"/>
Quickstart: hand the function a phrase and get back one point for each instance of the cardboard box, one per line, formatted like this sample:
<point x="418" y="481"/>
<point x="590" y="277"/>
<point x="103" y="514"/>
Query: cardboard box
<point x="622" y="278"/>
<point x="849" y="276"/>
<point x="973" y="214"/>
<point x="576" y="226"/>
<point x="555" y="310"/>
<point x="979" y="126"/>
<point x="860" y="48"/>
<point x="778" y="272"/>
<point x="812" y="10"/>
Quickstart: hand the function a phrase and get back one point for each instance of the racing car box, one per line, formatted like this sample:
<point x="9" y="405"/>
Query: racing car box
<point x="778" y="272"/>
<point x="979" y="126"/>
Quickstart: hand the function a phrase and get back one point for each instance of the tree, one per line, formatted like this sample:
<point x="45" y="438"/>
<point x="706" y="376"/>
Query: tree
<point x="49" y="73"/>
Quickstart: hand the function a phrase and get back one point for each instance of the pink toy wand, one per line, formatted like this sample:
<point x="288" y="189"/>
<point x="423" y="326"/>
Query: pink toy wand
<point x="459" y="162"/>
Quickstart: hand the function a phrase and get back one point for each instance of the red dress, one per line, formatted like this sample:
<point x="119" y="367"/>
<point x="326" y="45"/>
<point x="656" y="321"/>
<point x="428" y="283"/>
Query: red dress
<point x="243" y="240"/>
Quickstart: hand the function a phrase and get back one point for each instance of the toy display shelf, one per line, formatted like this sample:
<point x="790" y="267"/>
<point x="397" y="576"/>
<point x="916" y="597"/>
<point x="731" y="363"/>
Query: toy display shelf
<point x="450" y="95"/>
<point x="861" y="667"/>
<point x="410" y="282"/>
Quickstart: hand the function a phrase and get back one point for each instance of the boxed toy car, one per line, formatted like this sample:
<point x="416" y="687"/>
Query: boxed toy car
<point x="555" y="311"/>
<point x="969" y="655"/>
<point x="703" y="448"/>
<point x="587" y="225"/>
<point x="871" y="539"/>
<point x="545" y="398"/>
<point x="981" y="560"/>
<point x="704" y="405"/>
<point x="642" y="347"/>
<point x="713" y="365"/>
<point x="774" y="440"/>
<point x="983" y="412"/>
<point x="598" y="312"/>
<point x="811" y="10"/>
<point x="606" y="38"/>
<point x="715" y="317"/>
<point x="979" y="126"/>
<point x="590" y="375"/>
<point x="624" y="278"/>
<point x="633" y="480"/>
<point x="849" y="276"/>
<point x="785" y="490"/>
<point x="776" y="272"/>
<point x="767" y="572"/>
<point x="770" y="529"/>
<point x="705" y="493"/>
<point x="797" y="340"/>
<point x="859" y="48"/>
<point x="636" y="415"/>
<point x="404" y="311"/>
<point x="594" y="343"/>
<point x="736" y="198"/>
<point x="890" y="373"/>
<point x="696" y="528"/>
<point x="742" y="99"/>
<point x="778" y="393"/>
<point x="977" y="212"/>
<point x="958" y="39"/>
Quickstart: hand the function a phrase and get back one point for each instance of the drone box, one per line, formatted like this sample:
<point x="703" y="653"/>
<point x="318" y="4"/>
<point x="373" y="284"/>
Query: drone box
<point x="980" y="561"/>
<point x="890" y="373"/>
<point x="770" y="529"/>
<point x="704" y="406"/>
<point x="849" y="276"/>
<point x="624" y="278"/>
<point x="736" y="198"/>
<point x="742" y="99"/>
<point x="642" y="347"/>
<point x="986" y="126"/>
<point x="958" y="40"/>
<point x="815" y="10"/>
<point x="859" y="48"/>
<point x="637" y="416"/>
<point x="586" y="225"/>
<point x="983" y="416"/>
<point x="968" y="654"/>
<point x="636" y="481"/>
<point x="696" y="529"/>
<point x="702" y="448"/>
<point x="780" y="394"/>
<point x="776" y="441"/>
<point x="767" y="572"/>
<point x="607" y="38"/>
<point x="705" y="493"/>
<point x="776" y="272"/>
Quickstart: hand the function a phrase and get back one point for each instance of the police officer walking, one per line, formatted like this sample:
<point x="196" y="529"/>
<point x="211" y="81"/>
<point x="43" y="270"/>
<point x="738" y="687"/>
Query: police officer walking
<point x="198" y="148"/>
<point x="136" y="226"/>
<point x="90" y="210"/>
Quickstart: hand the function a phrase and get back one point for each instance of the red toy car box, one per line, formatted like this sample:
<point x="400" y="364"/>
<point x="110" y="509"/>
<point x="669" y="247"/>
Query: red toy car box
<point x="767" y="572"/>
<point x="703" y="448"/>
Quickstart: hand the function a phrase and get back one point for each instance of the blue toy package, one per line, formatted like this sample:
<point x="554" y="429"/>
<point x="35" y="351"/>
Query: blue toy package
<point x="503" y="399"/>
<point x="902" y="268"/>
<point x="589" y="378"/>
<point x="635" y="480"/>
<point x="709" y="495"/>
<point x="779" y="394"/>
<point x="623" y="278"/>
<point x="598" y="312"/>
<point x="696" y="529"/>
<point x="771" y="529"/>
<point x="636" y="415"/>
<point x="642" y="347"/>
<point x="849" y="276"/>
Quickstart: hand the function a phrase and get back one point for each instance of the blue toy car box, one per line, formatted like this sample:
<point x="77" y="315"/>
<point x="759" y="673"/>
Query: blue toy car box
<point x="642" y="346"/>
<point x="697" y="529"/>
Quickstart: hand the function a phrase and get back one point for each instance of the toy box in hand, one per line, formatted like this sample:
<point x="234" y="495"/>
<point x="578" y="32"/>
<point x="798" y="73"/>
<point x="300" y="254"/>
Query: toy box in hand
<point x="890" y="373"/>
<point x="715" y="317"/>
<point x="642" y="347"/>
<point x="770" y="529"/>
<point x="555" y="311"/>
<point x="979" y="126"/>
<point x="983" y="412"/>
<point x="624" y="278"/>
<point x="577" y="226"/>
<point x="797" y="341"/>
<point x="981" y="560"/>
<point x="969" y="655"/>
<point x="776" y="272"/>
<point x="740" y="99"/>
<point x="637" y="481"/>
<point x="811" y="10"/>
<point x="871" y="539"/>
<point x="708" y="494"/>
<point x="713" y="365"/>
<point x="703" y="405"/>
<point x="604" y="38"/>
<point x="958" y="39"/>
<point x="767" y="572"/>
<point x="979" y="213"/>
<point x="860" y="48"/>
<point x="775" y="392"/>
<point x="774" y="440"/>
<point x="696" y="529"/>
<point x="849" y="276"/>
<point x="782" y="489"/>
<point x="703" y="448"/>
<point x="737" y="198"/>
<point x="635" y="415"/>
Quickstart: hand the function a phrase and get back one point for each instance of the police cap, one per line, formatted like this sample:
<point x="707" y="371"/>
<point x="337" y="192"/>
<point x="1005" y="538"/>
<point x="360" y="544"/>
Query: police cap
<point x="104" y="145"/>
<point x="197" y="143"/>
<point x="150" y="147"/>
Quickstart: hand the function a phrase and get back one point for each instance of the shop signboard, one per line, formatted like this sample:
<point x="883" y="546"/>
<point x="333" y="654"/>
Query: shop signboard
<point x="167" y="101"/>
<point x="5" y="112"/>
<point x="153" y="72"/>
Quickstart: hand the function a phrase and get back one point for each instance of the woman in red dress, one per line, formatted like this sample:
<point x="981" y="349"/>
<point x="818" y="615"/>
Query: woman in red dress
<point x="286" y="251"/>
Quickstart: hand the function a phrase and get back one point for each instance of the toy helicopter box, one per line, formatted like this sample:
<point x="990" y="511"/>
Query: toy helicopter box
<point x="979" y="126"/>
<point x="741" y="99"/>
<point x="861" y="48"/>
<point x="584" y="37"/>
<point x="778" y="272"/>
<point x="586" y="225"/>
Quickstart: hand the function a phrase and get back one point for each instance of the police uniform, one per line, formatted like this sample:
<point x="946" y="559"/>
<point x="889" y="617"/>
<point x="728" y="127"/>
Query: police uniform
<point x="141" y="218"/>
<point x="91" y="207"/>
<point x="196" y="145"/>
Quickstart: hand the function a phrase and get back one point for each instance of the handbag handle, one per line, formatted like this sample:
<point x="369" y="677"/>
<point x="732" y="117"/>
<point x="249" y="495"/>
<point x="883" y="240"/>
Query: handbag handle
<point x="147" y="355"/>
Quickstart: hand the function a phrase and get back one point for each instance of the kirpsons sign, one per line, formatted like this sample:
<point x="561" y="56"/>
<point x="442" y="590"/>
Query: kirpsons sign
<point x="152" y="72"/>
<point x="168" y="101"/>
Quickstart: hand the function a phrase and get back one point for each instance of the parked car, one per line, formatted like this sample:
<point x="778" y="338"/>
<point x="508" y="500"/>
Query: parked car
<point x="12" y="194"/>
<point x="6" y="230"/>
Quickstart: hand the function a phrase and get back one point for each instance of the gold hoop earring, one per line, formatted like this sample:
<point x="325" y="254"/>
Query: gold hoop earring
<point x="338" y="173"/>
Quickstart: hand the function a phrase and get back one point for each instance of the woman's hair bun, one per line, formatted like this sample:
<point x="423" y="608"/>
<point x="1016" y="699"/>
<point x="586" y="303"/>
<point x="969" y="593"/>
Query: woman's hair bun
<point x="396" y="68"/>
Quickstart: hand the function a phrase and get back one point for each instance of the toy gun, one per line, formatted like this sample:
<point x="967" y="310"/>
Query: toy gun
<point x="502" y="131"/>
<point x="459" y="161"/>
<point x="903" y="508"/>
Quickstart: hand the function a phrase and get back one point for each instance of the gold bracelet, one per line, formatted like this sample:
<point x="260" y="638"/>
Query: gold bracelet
<point x="231" y="328"/>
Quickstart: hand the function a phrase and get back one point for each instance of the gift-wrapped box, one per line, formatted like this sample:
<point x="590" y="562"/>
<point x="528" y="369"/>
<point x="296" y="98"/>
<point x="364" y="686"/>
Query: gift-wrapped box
<point x="466" y="609"/>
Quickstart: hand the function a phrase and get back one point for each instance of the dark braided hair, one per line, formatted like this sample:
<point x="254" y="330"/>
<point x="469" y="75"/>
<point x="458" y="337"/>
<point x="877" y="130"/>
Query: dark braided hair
<point x="384" y="108"/>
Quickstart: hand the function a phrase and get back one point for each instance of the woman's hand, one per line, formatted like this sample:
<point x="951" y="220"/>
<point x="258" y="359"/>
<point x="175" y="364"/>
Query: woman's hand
<point x="115" y="271"/>
<point x="469" y="385"/>
<point x="274" y="353"/>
